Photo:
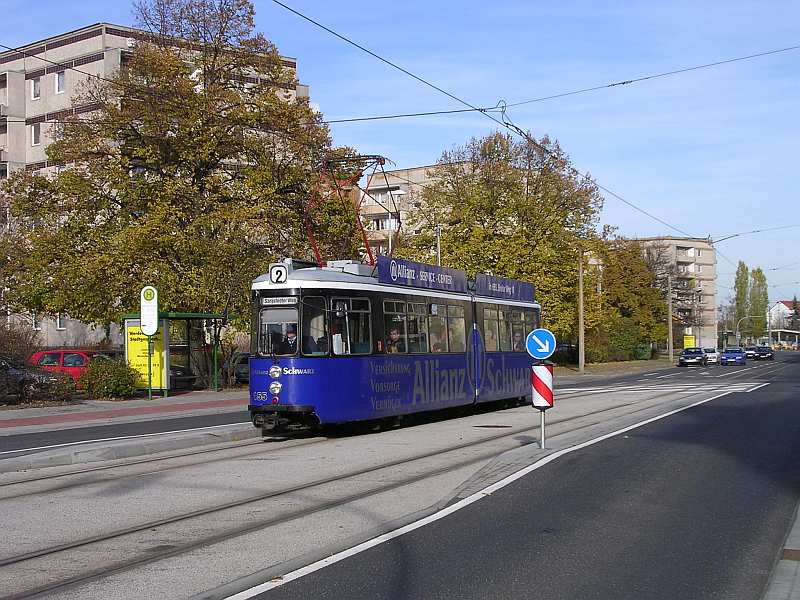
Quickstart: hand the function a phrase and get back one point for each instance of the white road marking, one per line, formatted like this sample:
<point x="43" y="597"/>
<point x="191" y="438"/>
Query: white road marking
<point x="737" y="371"/>
<point x="340" y="556"/>
<point x="665" y="376"/>
<point x="690" y="387"/>
<point x="125" y="437"/>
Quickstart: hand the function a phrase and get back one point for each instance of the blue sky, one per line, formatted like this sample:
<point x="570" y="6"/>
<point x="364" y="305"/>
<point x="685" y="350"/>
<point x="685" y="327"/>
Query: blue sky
<point x="712" y="152"/>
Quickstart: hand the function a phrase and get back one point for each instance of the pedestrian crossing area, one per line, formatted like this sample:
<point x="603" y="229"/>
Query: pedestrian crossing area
<point x="689" y="387"/>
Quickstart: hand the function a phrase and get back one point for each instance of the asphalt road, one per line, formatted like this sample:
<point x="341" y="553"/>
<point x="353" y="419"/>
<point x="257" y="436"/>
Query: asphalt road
<point x="695" y="505"/>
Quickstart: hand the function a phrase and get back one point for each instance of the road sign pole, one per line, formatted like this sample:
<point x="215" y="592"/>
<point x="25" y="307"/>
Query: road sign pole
<point x="541" y="412"/>
<point x="149" y="367"/>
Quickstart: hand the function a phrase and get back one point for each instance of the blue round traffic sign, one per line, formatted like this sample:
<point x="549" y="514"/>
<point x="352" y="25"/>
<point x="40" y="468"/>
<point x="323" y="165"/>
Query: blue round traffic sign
<point x="540" y="343"/>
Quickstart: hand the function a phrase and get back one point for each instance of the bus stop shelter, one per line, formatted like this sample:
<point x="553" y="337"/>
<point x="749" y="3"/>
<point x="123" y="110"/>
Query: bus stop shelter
<point x="184" y="353"/>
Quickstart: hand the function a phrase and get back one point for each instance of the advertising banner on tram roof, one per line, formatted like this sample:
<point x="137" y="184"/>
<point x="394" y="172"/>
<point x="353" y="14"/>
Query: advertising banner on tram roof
<point x="507" y="289"/>
<point x="397" y="271"/>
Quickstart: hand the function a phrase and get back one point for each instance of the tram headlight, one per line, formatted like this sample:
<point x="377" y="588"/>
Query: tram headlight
<point x="274" y="371"/>
<point x="275" y="387"/>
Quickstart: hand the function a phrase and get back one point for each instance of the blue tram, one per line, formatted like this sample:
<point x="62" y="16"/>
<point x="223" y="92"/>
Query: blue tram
<point x="352" y="342"/>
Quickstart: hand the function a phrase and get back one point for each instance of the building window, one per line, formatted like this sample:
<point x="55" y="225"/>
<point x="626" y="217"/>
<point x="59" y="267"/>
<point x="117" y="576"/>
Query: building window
<point x="37" y="326"/>
<point x="61" y="322"/>
<point x="36" y="90"/>
<point x="3" y="171"/>
<point x="60" y="82"/>
<point x="384" y="224"/>
<point x="36" y="134"/>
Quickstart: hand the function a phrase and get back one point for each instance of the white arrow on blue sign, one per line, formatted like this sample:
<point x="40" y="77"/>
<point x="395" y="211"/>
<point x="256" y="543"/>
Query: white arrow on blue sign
<point x="540" y="343"/>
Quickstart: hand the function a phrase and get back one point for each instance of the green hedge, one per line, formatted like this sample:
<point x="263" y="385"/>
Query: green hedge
<point x="109" y="379"/>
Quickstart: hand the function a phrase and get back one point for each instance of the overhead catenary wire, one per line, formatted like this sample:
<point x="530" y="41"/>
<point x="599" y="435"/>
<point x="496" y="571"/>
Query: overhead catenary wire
<point x="659" y="75"/>
<point x="505" y="122"/>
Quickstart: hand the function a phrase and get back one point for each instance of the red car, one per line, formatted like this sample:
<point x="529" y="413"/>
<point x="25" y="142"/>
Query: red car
<point x="73" y="362"/>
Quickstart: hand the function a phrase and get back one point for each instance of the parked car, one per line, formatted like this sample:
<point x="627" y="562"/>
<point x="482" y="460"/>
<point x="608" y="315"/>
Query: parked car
<point x="764" y="353"/>
<point x="237" y="367"/>
<point x="20" y="382"/>
<point x="750" y="352"/>
<point x="712" y="355"/>
<point x="733" y="356"/>
<point x="70" y="361"/>
<point x="692" y="356"/>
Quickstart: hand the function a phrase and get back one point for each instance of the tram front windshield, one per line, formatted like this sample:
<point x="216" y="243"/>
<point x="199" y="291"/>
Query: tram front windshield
<point x="278" y="332"/>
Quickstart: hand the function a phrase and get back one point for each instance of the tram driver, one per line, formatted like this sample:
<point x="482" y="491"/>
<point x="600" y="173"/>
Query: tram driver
<point x="289" y="344"/>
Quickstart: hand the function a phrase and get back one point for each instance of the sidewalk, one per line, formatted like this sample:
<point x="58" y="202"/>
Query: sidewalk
<point x="89" y="411"/>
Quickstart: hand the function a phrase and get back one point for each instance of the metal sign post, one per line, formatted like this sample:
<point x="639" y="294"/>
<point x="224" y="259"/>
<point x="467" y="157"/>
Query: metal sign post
<point x="540" y="344"/>
<point x="148" y="298"/>
<point x="149" y="367"/>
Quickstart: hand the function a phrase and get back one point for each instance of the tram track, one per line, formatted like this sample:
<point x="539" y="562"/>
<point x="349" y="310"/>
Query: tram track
<point x="166" y="550"/>
<point x="147" y="461"/>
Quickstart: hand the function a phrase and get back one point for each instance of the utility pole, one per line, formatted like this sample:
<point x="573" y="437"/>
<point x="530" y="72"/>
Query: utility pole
<point x="669" y="317"/>
<point x="769" y="328"/>
<point x="581" y="353"/>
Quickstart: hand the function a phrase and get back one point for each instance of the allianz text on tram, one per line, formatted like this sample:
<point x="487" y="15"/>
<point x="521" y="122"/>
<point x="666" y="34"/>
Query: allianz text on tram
<point x="352" y="342"/>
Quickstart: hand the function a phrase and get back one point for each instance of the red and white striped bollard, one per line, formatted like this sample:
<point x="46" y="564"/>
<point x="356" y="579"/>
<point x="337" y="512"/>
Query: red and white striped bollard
<point x="542" y="391"/>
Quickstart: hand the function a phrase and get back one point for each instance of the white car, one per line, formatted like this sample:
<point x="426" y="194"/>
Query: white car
<point x="712" y="355"/>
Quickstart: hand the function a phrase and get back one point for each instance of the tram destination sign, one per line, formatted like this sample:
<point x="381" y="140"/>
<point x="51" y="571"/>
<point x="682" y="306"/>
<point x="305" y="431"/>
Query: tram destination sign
<point x="396" y="271"/>
<point x="500" y="287"/>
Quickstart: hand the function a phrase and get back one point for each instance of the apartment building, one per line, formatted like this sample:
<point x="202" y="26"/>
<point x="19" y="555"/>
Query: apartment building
<point x="38" y="82"/>
<point x="692" y="262"/>
<point x="385" y="210"/>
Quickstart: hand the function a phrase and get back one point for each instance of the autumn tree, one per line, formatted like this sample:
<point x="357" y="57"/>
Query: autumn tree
<point x="758" y="302"/>
<point x="741" y="293"/>
<point x="632" y="298"/>
<point x="514" y="209"/>
<point x="194" y="172"/>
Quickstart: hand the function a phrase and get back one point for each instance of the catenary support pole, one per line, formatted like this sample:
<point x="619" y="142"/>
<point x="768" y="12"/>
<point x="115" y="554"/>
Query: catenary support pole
<point x="581" y="351"/>
<point x="670" y="342"/>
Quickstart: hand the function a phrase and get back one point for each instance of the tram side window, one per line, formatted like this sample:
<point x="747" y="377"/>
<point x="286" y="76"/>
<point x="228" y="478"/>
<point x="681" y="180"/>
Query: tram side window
<point x="278" y="331"/>
<point x="506" y="338"/>
<point x="530" y="321"/>
<point x="417" y="328"/>
<point x="518" y="329"/>
<point x="350" y="326"/>
<point x="456" y="329"/>
<point x="314" y="338"/>
<point x="394" y="314"/>
<point x="490" y="329"/>
<point x="437" y="328"/>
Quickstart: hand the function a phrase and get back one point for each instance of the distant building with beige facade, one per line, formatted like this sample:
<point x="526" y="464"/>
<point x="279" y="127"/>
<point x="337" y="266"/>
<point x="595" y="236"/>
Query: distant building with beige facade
<point x="386" y="208"/>
<point x="692" y="265"/>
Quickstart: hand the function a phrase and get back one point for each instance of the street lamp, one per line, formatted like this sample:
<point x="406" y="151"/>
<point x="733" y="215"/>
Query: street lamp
<point x="739" y="322"/>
